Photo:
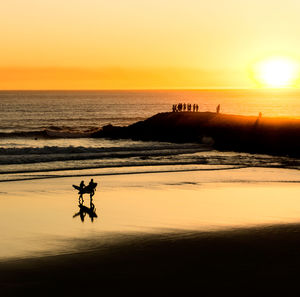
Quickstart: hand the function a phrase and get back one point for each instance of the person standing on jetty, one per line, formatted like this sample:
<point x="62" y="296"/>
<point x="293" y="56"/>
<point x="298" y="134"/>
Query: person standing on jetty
<point x="218" y="109"/>
<point x="187" y="107"/>
<point x="179" y="106"/>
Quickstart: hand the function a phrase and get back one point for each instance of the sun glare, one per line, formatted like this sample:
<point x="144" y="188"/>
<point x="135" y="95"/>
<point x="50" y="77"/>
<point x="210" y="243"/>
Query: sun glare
<point x="276" y="72"/>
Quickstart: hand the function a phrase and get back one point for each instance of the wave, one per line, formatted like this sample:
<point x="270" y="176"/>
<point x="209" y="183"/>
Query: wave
<point x="113" y="159"/>
<point x="270" y="177"/>
<point x="51" y="132"/>
<point x="27" y="155"/>
<point x="125" y="170"/>
<point x="65" y="131"/>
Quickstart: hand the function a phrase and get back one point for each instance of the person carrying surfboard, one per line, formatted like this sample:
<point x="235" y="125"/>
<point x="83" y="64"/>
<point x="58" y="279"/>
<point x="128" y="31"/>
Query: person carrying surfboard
<point x="81" y="187"/>
<point x="92" y="187"/>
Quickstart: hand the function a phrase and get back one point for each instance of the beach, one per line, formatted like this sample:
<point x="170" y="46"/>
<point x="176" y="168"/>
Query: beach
<point x="149" y="148"/>
<point x="230" y="232"/>
<point x="206" y="206"/>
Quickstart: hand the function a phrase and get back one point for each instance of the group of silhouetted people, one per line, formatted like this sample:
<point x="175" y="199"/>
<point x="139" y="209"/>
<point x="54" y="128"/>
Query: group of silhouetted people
<point x="185" y="107"/>
<point x="189" y="107"/>
<point x="195" y="108"/>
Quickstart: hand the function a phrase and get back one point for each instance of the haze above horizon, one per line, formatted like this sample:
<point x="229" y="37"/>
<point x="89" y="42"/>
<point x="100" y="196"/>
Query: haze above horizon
<point x="139" y="44"/>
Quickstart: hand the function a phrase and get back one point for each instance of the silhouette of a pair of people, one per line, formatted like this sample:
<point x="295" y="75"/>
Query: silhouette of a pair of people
<point x="90" y="188"/>
<point x="84" y="210"/>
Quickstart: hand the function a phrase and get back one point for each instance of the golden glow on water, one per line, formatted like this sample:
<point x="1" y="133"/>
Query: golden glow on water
<point x="276" y="72"/>
<point x="37" y="216"/>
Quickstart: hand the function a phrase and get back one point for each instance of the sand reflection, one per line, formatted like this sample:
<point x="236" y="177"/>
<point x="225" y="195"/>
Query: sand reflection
<point x="84" y="210"/>
<point x="36" y="216"/>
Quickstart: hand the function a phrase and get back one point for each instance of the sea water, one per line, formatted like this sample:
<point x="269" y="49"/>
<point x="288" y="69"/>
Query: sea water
<point x="49" y="131"/>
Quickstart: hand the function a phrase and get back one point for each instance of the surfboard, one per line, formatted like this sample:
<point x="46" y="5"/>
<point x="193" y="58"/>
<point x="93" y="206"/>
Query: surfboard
<point x="86" y="190"/>
<point x="76" y="187"/>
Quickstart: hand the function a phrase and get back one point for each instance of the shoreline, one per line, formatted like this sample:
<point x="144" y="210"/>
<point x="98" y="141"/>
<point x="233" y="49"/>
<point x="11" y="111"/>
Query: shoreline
<point x="211" y="233"/>
<point x="144" y="202"/>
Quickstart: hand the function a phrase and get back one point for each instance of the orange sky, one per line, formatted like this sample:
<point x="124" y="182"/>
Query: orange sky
<point x="117" y="44"/>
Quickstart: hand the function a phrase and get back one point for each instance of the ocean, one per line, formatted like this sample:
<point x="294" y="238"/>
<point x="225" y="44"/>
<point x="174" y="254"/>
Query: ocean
<point x="46" y="134"/>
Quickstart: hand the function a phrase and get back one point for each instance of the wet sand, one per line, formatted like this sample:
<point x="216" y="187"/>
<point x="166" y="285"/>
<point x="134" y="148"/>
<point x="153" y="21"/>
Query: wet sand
<point x="225" y="233"/>
<point x="248" y="262"/>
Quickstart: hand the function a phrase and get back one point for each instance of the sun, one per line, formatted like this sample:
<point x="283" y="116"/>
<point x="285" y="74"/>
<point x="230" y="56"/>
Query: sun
<point x="276" y="72"/>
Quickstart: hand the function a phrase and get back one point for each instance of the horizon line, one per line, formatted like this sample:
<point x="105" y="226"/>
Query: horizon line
<point x="150" y="89"/>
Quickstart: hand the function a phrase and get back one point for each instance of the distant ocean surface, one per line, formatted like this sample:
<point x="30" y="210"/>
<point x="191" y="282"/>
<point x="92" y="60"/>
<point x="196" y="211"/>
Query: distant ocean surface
<point x="46" y="133"/>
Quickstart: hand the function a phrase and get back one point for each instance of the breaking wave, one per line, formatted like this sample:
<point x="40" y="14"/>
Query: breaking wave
<point x="54" y="153"/>
<point x="51" y="132"/>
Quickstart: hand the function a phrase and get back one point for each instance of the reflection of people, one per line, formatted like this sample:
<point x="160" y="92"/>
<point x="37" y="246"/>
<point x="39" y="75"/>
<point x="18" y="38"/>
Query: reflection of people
<point x="83" y="210"/>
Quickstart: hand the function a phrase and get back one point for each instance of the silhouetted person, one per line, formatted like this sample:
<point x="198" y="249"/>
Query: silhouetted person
<point x="194" y="107"/>
<point x="218" y="109"/>
<point x="184" y="107"/>
<point x="92" y="188"/>
<point x="189" y="107"/>
<point x="81" y="186"/>
<point x="197" y="107"/>
<point x="257" y="122"/>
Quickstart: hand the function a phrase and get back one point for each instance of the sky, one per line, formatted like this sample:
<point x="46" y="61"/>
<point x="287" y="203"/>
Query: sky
<point x="141" y="44"/>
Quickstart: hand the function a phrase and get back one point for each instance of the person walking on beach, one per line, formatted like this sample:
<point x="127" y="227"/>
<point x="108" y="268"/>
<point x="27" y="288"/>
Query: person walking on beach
<point x="92" y="188"/>
<point x="184" y="107"/>
<point x="218" y="109"/>
<point x="91" y="184"/>
<point x="197" y="107"/>
<point x="81" y="187"/>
